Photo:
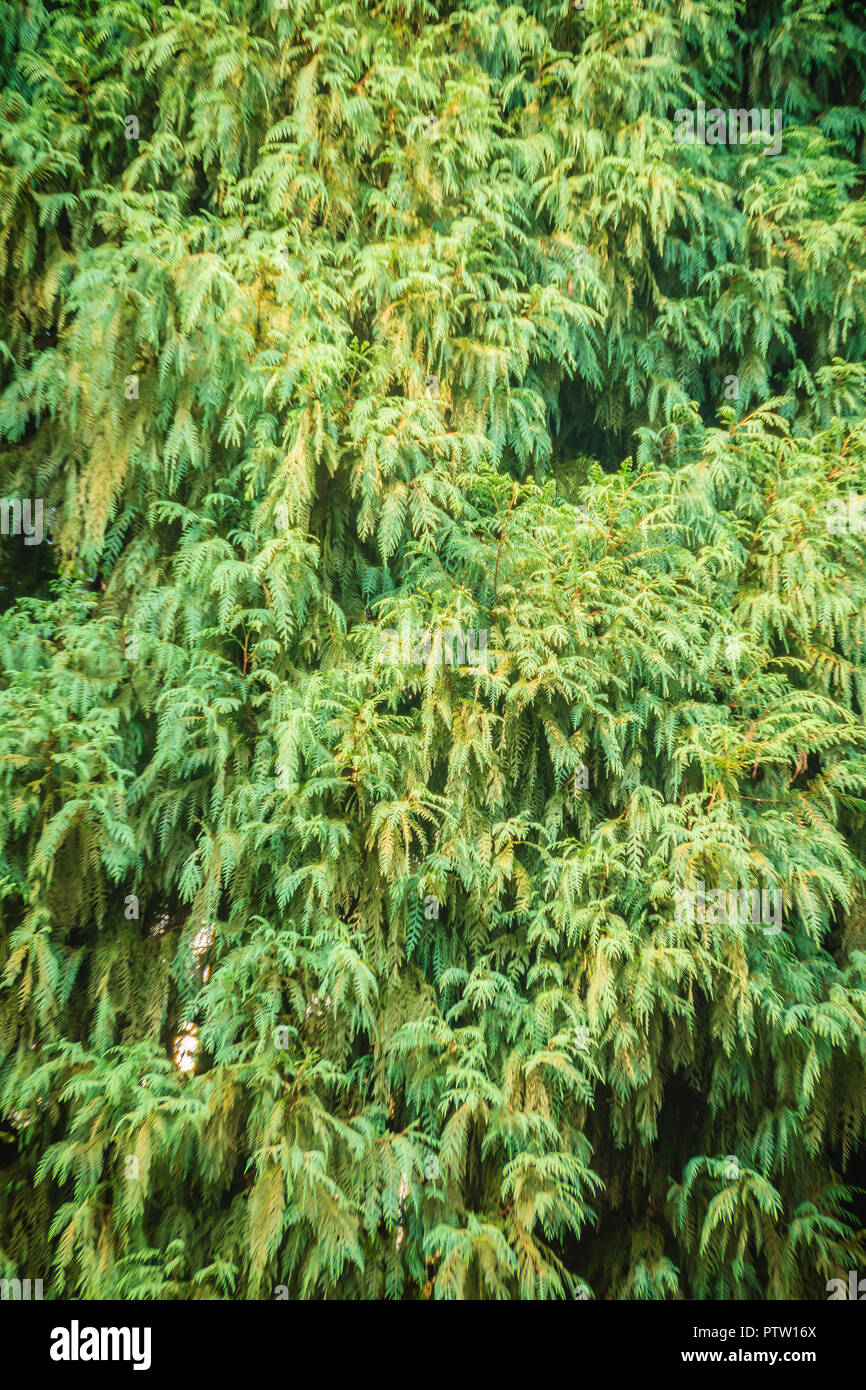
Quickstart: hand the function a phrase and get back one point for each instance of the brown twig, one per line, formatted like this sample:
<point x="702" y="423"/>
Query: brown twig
<point x="501" y="539"/>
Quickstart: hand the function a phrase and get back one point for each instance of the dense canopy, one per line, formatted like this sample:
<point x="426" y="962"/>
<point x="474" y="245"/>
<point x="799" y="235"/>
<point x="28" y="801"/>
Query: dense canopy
<point x="341" y="961"/>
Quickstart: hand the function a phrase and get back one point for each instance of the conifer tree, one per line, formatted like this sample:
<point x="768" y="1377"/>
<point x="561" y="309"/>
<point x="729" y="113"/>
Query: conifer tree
<point x="449" y="615"/>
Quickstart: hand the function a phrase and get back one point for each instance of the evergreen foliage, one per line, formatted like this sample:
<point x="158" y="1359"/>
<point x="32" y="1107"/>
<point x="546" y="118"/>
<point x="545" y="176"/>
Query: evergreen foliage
<point x="412" y="314"/>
